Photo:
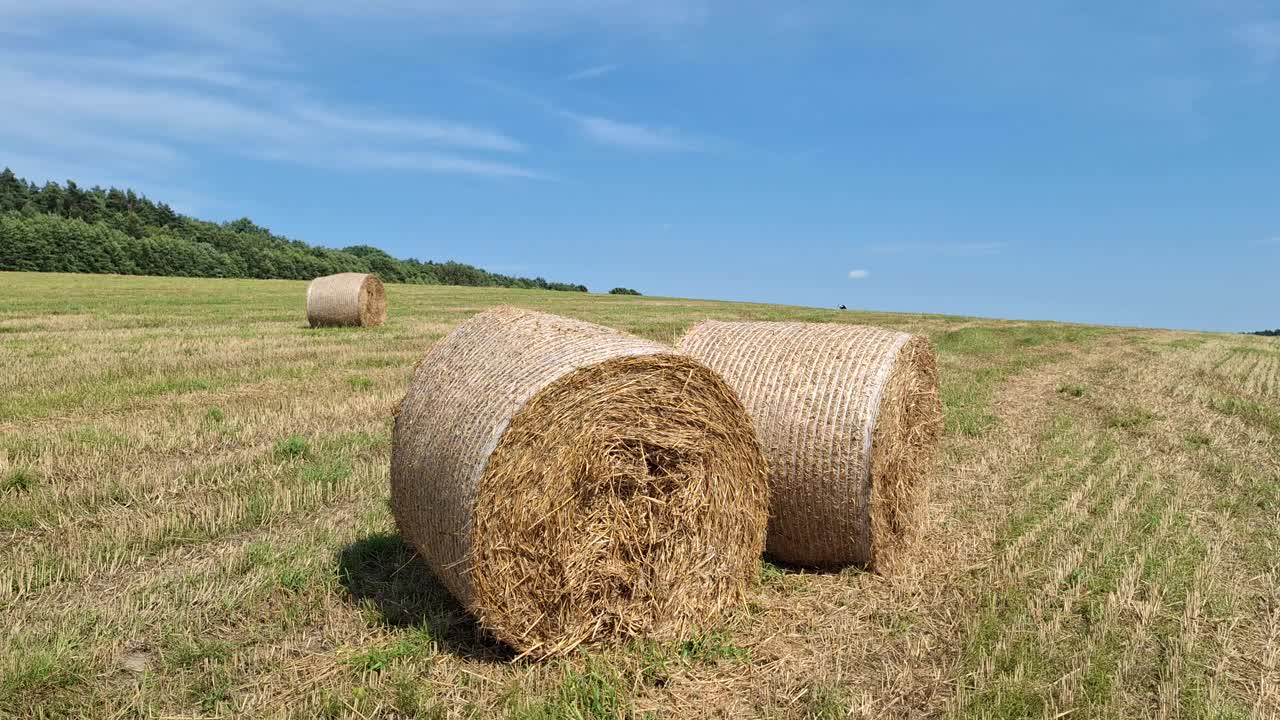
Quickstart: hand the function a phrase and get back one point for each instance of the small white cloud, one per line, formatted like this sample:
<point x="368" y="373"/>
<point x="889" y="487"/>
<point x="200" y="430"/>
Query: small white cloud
<point x="593" y="72"/>
<point x="859" y="274"/>
<point x="632" y="136"/>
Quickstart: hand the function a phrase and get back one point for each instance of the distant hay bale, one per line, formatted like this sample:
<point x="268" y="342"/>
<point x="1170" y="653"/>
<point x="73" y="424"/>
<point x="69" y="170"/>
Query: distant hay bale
<point x="569" y="483"/>
<point x="346" y="299"/>
<point x="849" y="417"/>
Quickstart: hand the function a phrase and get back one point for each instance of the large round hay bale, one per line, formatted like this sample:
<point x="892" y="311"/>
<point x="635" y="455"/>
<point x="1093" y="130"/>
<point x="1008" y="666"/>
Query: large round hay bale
<point x="346" y="299"/>
<point x="569" y="483"/>
<point x="849" y="417"/>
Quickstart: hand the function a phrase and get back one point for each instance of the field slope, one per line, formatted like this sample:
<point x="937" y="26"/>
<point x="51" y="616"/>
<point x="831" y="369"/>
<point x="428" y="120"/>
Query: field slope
<point x="194" y="523"/>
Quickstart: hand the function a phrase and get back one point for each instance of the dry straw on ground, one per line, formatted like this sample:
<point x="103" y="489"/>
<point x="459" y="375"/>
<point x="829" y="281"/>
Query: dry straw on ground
<point x="346" y="299"/>
<point x="849" y="417"/>
<point x="570" y="483"/>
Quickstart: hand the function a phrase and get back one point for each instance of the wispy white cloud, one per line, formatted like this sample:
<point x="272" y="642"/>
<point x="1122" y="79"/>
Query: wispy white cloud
<point x="859" y="274"/>
<point x="1261" y="40"/>
<point x="962" y="249"/>
<point x="427" y="162"/>
<point x="134" y="117"/>
<point x="453" y="134"/>
<point x="593" y="72"/>
<point x="637" y="137"/>
<point x="209" y="70"/>
<point x="182" y="114"/>
<point x="238" y="24"/>
<point x="228" y="25"/>
<point x="194" y="115"/>
<point x="125" y="153"/>
<point x="1271" y="241"/>
<point x="632" y="136"/>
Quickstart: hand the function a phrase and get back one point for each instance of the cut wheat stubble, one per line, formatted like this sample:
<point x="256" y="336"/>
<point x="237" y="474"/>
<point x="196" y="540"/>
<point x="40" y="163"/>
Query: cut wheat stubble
<point x="572" y="484"/>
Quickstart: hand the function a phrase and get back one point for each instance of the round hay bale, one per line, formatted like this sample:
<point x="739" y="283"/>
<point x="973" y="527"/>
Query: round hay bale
<point x="346" y="299"/>
<point x="849" y="417"/>
<point x="569" y="483"/>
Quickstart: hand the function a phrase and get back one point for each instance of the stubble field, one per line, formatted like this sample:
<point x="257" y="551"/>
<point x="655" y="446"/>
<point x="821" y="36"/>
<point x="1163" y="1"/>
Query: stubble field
<point x="194" y="523"/>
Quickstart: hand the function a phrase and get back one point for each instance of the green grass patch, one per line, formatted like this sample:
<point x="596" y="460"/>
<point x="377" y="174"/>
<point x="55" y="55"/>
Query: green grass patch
<point x="985" y="341"/>
<point x="966" y="401"/>
<point x="1072" y="390"/>
<point x="1128" y="418"/>
<point x="1252" y="412"/>
<point x="1099" y="678"/>
<point x="19" y="480"/>
<point x="294" y="579"/>
<point x="712" y="647"/>
<point x="211" y="690"/>
<point x="183" y="652"/>
<point x="825" y="702"/>
<point x="22" y="449"/>
<point x="1254" y="351"/>
<point x="1020" y="688"/>
<point x="1196" y="440"/>
<point x="967" y="391"/>
<point x="377" y="362"/>
<point x="258" y="553"/>
<point x="360" y="383"/>
<point x="771" y="575"/>
<point x="96" y="438"/>
<point x="362" y="441"/>
<point x="1060" y="482"/>
<point x="591" y="692"/>
<point x="377" y="660"/>
<point x="411" y="699"/>
<point x="328" y="473"/>
<point x="42" y="680"/>
<point x="175" y="386"/>
<point x="293" y="447"/>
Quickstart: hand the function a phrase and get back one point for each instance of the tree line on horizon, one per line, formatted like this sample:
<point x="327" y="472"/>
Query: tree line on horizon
<point x="56" y="228"/>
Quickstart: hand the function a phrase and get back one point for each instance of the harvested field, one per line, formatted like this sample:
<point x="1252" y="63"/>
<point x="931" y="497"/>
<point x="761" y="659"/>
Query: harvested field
<point x="194" y="522"/>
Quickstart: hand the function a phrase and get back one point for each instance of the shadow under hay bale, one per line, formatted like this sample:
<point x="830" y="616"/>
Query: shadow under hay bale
<point x="571" y="484"/>
<point x="384" y="570"/>
<point x="850" y="418"/>
<point x="345" y="300"/>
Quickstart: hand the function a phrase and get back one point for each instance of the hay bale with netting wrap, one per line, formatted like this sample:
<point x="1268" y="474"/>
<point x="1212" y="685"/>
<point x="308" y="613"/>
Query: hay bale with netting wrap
<point x="346" y="299"/>
<point x="570" y="483"/>
<point x="849" y="417"/>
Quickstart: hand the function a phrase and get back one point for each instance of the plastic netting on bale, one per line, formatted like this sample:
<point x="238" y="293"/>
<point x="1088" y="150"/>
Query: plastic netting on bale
<point x="572" y="484"/>
<point x="849" y="417"/>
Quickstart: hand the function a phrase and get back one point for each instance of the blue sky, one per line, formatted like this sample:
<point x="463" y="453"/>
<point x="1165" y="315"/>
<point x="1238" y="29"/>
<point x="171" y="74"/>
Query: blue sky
<point x="1101" y="162"/>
